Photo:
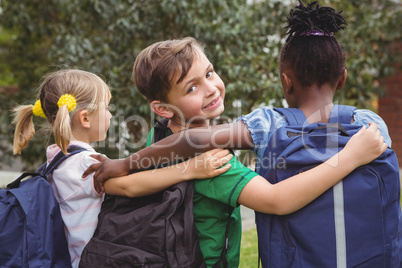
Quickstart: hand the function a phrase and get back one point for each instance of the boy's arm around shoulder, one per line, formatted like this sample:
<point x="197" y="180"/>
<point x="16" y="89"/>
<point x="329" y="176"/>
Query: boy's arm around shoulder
<point x="294" y="193"/>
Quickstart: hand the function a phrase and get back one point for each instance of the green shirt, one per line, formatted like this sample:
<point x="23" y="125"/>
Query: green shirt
<point x="211" y="199"/>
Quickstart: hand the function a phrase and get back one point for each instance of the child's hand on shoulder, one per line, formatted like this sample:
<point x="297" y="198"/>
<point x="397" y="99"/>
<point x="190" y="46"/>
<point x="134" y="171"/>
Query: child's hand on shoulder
<point x="105" y="169"/>
<point x="208" y="165"/>
<point x="366" y="145"/>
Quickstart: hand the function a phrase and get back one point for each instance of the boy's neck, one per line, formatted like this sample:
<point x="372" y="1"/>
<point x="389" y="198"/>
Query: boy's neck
<point x="179" y="126"/>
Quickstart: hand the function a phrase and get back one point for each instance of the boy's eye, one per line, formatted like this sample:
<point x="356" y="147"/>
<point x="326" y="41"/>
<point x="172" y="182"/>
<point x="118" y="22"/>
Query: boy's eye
<point x="191" y="89"/>
<point x="209" y="74"/>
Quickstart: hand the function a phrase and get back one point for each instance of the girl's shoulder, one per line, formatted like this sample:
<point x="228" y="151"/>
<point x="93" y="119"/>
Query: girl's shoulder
<point x="263" y="115"/>
<point x="83" y="158"/>
<point x="363" y="117"/>
<point x="68" y="181"/>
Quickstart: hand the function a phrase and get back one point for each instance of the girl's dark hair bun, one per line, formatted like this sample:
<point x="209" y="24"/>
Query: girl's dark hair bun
<point x="314" y="18"/>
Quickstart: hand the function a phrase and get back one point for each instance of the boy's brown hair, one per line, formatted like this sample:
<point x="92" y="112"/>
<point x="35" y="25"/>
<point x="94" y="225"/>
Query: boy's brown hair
<point x="157" y="65"/>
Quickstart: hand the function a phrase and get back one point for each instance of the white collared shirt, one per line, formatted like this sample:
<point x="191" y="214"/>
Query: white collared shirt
<point x="79" y="203"/>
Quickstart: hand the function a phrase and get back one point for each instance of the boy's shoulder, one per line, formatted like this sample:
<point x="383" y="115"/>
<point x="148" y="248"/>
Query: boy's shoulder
<point x="226" y="187"/>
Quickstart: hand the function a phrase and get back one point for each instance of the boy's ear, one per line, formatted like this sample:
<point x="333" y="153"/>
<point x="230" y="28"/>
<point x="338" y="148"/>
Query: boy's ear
<point x="287" y="83"/>
<point x="342" y="80"/>
<point x="161" y="109"/>
<point x="83" y="118"/>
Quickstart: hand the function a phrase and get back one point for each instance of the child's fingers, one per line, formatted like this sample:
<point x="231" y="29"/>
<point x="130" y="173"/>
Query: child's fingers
<point x="99" y="177"/>
<point x="384" y="147"/>
<point x="92" y="168"/>
<point x="219" y="153"/>
<point x="216" y="157"/>
<point x="216" y="162"/>
<point x="378" y="132"/>
<point x="372" y="127"/>
<point x="223" y="160"/>
<point x="99" y="189"/>
<point x="221" y="170"/>
<point x="99" y="157"/>
<point x="211" y="152"/>
<point x="97" y="186"/>
<point x="361" y="130"/>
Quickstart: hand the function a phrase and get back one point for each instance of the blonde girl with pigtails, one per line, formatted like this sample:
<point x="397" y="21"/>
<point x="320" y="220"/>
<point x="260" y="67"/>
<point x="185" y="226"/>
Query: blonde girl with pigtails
<point x="75" y="103"/>
<point x="58" y="96"/>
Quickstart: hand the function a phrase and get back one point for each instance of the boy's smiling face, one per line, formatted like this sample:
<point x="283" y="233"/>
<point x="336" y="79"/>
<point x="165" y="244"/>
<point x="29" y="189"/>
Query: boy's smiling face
<point x="198" y="97"/>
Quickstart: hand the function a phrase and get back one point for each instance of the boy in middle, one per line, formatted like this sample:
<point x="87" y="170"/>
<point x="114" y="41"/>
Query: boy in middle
<point x="180" y="83"/>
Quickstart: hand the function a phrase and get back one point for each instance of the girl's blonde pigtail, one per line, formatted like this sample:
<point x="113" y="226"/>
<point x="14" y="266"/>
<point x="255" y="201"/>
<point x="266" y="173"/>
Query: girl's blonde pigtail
<point x="24" y="130"/>
<point x="62" y="128"/>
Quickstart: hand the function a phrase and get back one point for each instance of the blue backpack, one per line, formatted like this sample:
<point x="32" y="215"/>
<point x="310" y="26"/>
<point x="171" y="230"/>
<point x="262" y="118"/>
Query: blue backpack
<point x="31" y="227"/>
<point x="356" y="223"/>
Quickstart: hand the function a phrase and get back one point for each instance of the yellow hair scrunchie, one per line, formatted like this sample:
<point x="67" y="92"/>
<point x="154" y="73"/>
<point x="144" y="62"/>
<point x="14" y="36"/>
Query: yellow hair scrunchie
<point x="69" y="100"/>
<point x="37" y="109"/>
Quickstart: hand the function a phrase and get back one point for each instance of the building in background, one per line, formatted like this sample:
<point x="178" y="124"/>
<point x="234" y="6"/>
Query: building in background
<point x="390" y="107"/>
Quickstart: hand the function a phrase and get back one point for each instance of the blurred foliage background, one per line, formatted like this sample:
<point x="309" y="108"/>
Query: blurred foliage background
<point x="242" y="37"/>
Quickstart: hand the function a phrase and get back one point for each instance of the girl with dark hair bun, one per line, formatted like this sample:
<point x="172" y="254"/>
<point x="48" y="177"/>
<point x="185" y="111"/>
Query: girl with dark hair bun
<point x="312" y="67"/>
<point x="311" y="51"/>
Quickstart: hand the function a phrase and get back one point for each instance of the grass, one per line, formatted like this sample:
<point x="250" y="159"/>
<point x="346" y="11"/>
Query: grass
<point x="249" y="249"/>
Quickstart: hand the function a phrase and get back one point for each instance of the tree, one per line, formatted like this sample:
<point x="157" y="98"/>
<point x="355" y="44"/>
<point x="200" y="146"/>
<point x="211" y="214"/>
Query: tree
<point x="243" y="40"/>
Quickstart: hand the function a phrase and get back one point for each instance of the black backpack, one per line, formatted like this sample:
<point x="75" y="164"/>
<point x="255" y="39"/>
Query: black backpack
<point x="151" y="231"/>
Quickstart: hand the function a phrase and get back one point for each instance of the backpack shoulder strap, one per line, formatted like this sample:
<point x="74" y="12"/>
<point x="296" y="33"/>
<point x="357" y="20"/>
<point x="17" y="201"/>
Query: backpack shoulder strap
<point x="159" y="131"/>
<point x="294" y="116"/>
<point x="45" y="169"/>
<point x="342" y="114"/>
<point x="222" y="258"/>
<point x="59" y="158"/>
